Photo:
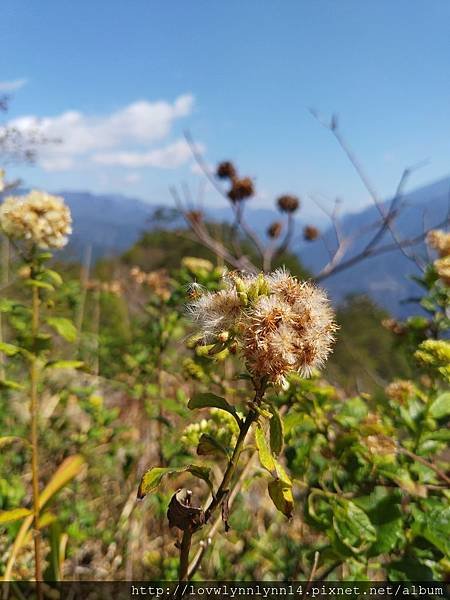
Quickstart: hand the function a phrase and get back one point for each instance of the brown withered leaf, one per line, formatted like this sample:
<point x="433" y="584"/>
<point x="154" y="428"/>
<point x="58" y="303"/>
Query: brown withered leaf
<point x="182" y="515"/>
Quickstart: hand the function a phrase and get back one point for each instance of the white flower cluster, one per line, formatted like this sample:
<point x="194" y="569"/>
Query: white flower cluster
<point x="38" y="217"/>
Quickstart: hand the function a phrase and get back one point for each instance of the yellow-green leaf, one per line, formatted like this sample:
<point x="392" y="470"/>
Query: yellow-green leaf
<point x="9" y="349"/>
<point x="265" y="456"/>
<point x="281" y="495"/>
<point x="65" y="364"/>
<point x="276" y="431"/>
<point x="64" y="327"/>
<point x="153" y="477"/>
<point x="67" y="470"/>
<point x="8" y="516"/>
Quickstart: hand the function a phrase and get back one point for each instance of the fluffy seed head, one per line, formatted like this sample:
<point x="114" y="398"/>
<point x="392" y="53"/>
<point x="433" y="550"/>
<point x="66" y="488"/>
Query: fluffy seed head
<point x="279" y="325"/>
<point x="400" y="390"/>
<point x="440" y="241"/>
<point x="442" y="266"/>
<point x="37" y="217"/>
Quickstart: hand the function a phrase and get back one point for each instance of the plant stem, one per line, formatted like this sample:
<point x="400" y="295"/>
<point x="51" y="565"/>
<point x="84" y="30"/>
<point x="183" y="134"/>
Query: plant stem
<point x="232" y="465"/>
<point x="34" y="412"/>
<point x="216" y="501"/>
<point x="185" y="548"/>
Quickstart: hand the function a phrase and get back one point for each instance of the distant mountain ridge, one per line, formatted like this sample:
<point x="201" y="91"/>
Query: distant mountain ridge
<point x="110" y="224"/>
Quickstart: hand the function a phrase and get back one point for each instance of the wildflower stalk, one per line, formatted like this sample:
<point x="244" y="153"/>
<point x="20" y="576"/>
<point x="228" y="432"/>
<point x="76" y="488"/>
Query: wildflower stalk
<point x="260" y="388"/>
<point x="224" y="487"/>
<point x="34" y="415"/>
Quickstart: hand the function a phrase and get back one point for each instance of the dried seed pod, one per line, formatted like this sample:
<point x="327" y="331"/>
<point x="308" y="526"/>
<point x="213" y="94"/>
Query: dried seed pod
<point x="226" y="170"/>
<point x="182" y="515"/>
<point x="288" y="203"/>
<point x="274" y="230"/>
<point x="310" y="233"/>
<point x="241" y="189"/>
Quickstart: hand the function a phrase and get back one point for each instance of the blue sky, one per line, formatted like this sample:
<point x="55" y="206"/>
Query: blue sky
<point x="119" y="82"/>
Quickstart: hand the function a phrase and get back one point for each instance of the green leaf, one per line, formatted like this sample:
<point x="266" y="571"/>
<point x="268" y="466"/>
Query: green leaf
<point x="434" y="526"/>
<point x="383" y="509"/>
<point x="8" y="516"/>
<point x="441" y="406"/>
<point x="53" y="276"/>
<point x="208" y="445"/>
<point x="64" y="327"/>
<point x="39" y="284"/>
<point x="10" y="385"/>
<point x="7" y="306"/>
<point x="65" y="364"/>
<point x="9" y="349"/>
<point x="276" y="431"/>
<point x="352" y="525"/>
<point x="281" y="494"/>
<point x="153" y="477"/>
<point x="265" y="456"/>
<point x="208" y="400"/>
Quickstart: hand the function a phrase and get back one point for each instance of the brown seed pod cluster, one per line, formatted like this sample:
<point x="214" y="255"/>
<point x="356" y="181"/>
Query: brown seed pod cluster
<point x="310" y="233"/>
<point x="226" y="170"/>
<point x="288" y="204"/>
<point x="274" y="230"/>
<point x="241" y="188"/>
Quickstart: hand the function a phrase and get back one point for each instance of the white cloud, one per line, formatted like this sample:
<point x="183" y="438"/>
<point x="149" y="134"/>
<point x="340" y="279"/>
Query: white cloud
<point x="169" y="157"/>
<point x="120" y="138"/>
<point x="12" y="86"/>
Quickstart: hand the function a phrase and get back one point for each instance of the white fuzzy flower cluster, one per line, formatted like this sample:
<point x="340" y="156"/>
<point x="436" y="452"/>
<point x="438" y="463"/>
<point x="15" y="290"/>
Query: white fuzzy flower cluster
<point x="38" y="217"/>
<point x="280" y="325"/>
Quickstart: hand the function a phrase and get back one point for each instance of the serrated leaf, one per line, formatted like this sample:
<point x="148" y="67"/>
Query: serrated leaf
<point x="208" y="446"/>
<point x="208" y="400"/>
<point x="265" y="456"/>
<point x="281" y="494"/>
<point x="152" y="478"/>
<point x="441" y="406"/>
<point x="8" y="516"/>
<point x="64" y="327"/>
<point x="276" y="431"/>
